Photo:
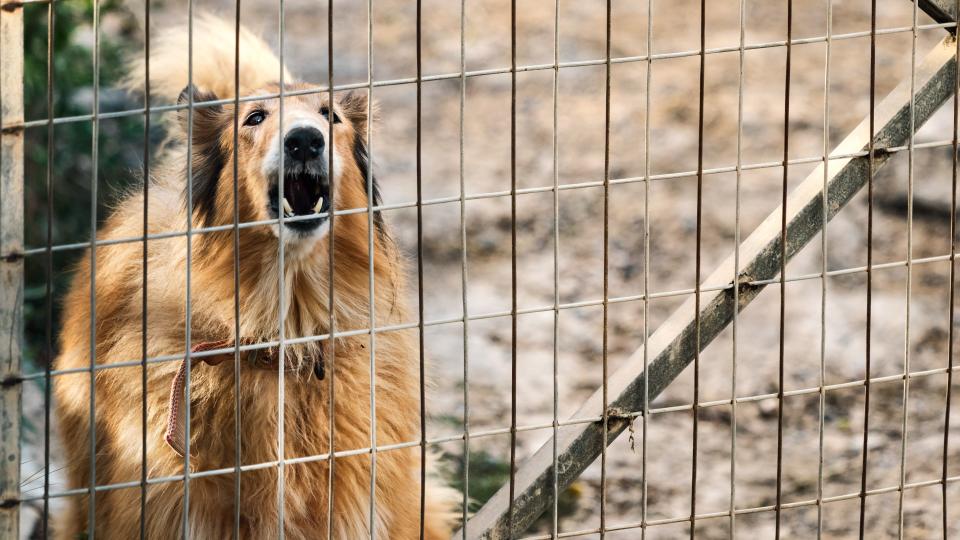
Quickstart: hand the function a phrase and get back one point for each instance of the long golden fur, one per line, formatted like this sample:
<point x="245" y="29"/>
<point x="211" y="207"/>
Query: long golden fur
<point x="118" y="293"/>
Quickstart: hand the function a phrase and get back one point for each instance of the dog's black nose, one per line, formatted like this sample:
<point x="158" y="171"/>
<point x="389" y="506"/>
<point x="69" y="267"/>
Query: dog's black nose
<point x="304" y="144"/>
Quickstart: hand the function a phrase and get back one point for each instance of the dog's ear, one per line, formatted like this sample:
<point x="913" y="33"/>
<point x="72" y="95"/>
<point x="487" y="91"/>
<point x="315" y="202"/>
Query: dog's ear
<point x="354" y="105"/>
<point x="362" y="157"/>
<point x="207" y="153"/>
<point x="206" y="118"/>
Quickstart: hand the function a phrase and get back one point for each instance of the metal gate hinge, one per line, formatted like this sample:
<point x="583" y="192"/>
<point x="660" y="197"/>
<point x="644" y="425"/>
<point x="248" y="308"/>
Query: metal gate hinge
<point x="13" y="256"/>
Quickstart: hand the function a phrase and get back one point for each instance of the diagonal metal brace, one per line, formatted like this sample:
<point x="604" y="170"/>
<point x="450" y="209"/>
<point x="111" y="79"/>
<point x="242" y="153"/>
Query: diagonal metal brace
<point x="673" y="346"/>
<point x="942" y="11"/>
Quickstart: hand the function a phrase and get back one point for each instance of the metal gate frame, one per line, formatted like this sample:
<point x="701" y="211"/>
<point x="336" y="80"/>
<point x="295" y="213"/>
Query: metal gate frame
<point x="757" y="262"/>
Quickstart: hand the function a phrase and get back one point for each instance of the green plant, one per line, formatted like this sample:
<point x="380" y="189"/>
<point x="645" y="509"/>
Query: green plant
<point x="119" y="148"/>
<point x="488" y="473"/>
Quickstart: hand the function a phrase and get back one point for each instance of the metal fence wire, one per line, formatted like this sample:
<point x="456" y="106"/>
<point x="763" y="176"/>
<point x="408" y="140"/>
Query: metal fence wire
<point x="625" y="398"/>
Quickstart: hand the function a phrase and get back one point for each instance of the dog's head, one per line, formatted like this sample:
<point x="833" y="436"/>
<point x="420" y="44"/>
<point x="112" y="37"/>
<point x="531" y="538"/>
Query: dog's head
<point x="281" y="156"/>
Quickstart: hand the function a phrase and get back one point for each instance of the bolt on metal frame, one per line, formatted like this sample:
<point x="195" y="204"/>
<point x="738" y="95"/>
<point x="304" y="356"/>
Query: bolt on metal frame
<point x="760" y="260"/>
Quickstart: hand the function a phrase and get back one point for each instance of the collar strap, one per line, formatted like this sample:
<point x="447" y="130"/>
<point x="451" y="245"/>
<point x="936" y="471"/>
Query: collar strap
<point x="266" y="359"/>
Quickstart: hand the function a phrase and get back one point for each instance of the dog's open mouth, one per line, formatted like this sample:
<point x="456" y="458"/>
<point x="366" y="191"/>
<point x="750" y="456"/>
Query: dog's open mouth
<point x="305" y="203"/>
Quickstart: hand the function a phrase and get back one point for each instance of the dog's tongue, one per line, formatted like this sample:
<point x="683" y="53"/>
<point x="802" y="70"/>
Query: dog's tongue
<point x="298" y="192"/>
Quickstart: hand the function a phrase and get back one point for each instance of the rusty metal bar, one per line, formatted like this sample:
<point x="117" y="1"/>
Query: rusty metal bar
<point x="673" y="345"/>
<point x="11" y="266"/>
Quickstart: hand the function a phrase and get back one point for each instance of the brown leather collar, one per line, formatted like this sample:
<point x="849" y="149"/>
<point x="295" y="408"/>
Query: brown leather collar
<point x="267" y="359"/>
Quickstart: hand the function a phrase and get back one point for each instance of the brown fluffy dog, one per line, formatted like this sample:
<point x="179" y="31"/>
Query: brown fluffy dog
<point x="305" y="274"/>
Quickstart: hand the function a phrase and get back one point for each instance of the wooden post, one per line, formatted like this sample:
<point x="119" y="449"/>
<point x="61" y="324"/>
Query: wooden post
<point x="11" y="262"/>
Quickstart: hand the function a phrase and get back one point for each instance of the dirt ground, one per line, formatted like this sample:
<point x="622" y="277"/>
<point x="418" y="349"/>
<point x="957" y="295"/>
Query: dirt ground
<point x="672" y="118"/>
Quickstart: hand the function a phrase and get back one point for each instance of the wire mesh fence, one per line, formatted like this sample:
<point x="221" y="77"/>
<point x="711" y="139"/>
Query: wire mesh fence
<point x="533" y="221"/>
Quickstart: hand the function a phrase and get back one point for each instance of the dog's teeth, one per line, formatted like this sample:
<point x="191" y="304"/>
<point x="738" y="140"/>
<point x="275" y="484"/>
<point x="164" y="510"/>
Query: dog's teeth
<point x="286" y="207"/>
<point x="319" y="205"/>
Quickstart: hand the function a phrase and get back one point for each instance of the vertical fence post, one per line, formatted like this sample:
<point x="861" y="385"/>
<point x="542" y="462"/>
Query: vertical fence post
<point x="11" y="263"/>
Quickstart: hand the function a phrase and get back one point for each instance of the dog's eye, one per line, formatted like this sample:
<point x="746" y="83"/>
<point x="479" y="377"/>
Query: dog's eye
<point x="326" y="114"/>
<point x="255" y="118"/>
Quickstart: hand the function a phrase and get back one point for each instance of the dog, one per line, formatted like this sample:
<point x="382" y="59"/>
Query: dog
<point x="219" y="381"/>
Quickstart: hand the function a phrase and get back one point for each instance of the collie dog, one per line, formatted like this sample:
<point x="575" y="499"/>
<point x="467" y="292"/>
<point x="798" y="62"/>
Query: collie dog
<point x="275" y="145"/>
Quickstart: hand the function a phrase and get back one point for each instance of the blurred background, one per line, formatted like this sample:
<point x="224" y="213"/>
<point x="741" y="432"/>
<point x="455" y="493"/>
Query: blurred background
<point x="485" y="152"/>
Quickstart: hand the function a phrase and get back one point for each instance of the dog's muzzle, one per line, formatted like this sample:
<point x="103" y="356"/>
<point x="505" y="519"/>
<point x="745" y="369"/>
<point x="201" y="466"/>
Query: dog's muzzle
<point x="306" y="185"/>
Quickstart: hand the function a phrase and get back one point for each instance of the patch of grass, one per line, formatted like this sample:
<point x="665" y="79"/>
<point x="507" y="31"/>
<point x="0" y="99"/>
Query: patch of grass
<point x="489" y="473"/>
